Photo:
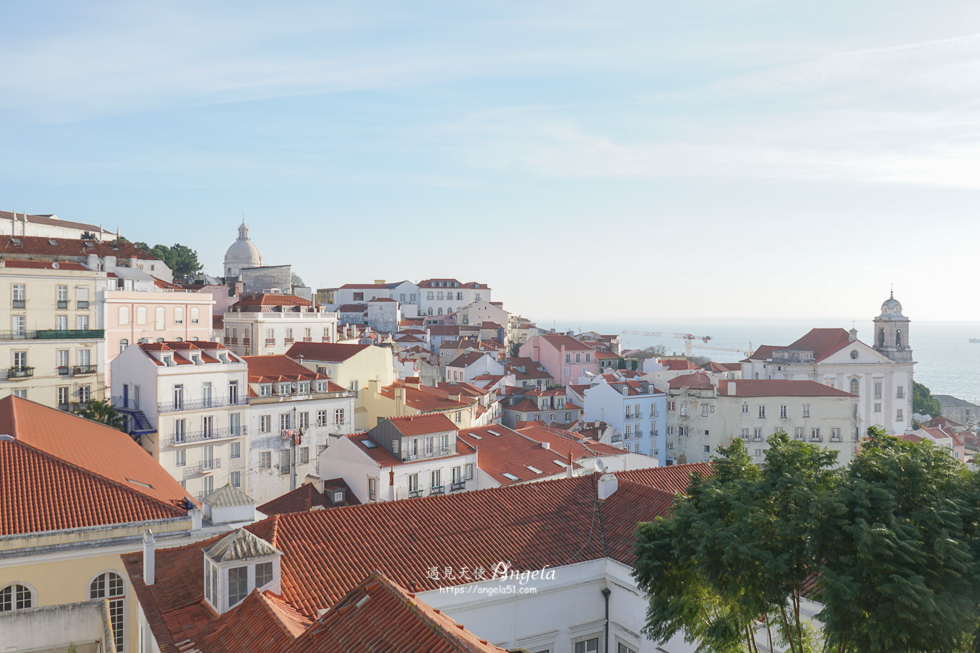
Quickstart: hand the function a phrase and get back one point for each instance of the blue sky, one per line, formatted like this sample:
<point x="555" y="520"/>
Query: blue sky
<point x="635" y="160"/>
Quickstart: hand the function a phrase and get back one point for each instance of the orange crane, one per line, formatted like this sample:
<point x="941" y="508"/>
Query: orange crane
<point x="689" y="341"/>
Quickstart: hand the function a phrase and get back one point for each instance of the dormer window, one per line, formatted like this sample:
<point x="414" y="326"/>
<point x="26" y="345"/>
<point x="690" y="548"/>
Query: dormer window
<point x="284" y="388"/>
<point x="168" y="361"/>
<point x="338" y="496"/>
<point x="236" y="565"/>
<point x="265" y="390"/>
<point x="321" y="386"/>
<point x="304" y="387"/>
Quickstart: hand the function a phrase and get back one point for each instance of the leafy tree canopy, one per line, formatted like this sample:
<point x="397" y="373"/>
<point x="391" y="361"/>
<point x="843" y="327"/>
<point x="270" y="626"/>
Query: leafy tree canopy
<point x="923" y="402"/>
<point x="105" y="412"/>
<point x="181" y="260"/>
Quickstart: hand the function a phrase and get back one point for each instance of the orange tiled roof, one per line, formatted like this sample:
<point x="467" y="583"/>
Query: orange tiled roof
<point x="306" y="497"/>
<point x="696" y="381"/>
<point x="271" y="299"/>
<point x="569" y="343"/>
<point x="328" y="352"/>
<point x="89" y="445"/>
<point x="672" y="478"/>
<point x="66" y="247"/>
<point x="427" y="399"/>
<point x="510" y="452"/>
<point x="44" y="493"/>
<point x="566" y="442"/>
<point x="279" y="368"/>
<point x="570" y="525"/>
<point x="778" y="388"/>
<point x="422" y="424"/>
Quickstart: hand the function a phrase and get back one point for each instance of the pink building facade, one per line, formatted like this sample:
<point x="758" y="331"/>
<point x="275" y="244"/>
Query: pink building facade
<point x="565" y="358"/>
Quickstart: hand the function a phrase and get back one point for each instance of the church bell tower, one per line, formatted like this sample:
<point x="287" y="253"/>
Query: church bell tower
<point x="892" y="332"/>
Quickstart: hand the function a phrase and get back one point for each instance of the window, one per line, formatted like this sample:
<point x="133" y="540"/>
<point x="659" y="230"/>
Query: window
<point x="429" y="296"/>
<point x="413" y="482"/>
<point x="855" y="386"/>
<point x="141" y="315"/>
<point x="468" y="471"/>
<point x="372" y="489"/>
<point x="123" y="344"/>
<point x="195" y="315"/>
<point x="180" y="457"/>
<point x="180" y="430"/>
<point x="236" y="450"/>
<point x="304" y="420"/>
<point x="783" y="411"/>
<point x="63" y="297"/>
<point x="439" y="296"/>
<point x="160" y="321"/>
<point x="900" y="392"/>
<point x="758" y="453"/>
<point x="206" y="394"/>
<point x="81" y="322"/>
<point x="745" y="409"/>
<point x="237" y="585"/>
<point x="899" y="416"/>
<point x="798" y="433"/>
<point x="263" y="574"/>
<point x="815" y="434"/>
<point x="265" y="460"/>
<point x="762" y="412"/>
<point x="84" y="394"/>
<point x="877" y="408"/>
<point x="19" y="295"/>
<point x="265" y="423"/>
<point x="20" y="360"/>
<point x="109" y="585"/>
<point x="321" y="418"/>
<point x="877" y="389"/>
<point x="587" y="646"/>
<point x="436" y="477"/>
<point x="704" y="410"/>
<point x="623" y="648"/>
<point x="745" y="434"/>
<point x="284" y="461"/>
<point x="429" y="445"/>
<point x="707" y="448"/>
<point x="178" y="315"/>
<point x="16" y="597"/>
<point x="806" y="410"/>
<point x="19" y="325"/>
<point x="63" y="393"/>
<point x="304" y="455"/>
<point x="459" y="416"/>
<point x="756" y="434"/>
<point x="236" y="479"/>
<point x="835" y="435"/>
<point x="235" y="424"/>
<point x="265" y="390"/>
<point x="338" y="416"/>
<point x="61" y="322"/>
<point x="123" y="315"/>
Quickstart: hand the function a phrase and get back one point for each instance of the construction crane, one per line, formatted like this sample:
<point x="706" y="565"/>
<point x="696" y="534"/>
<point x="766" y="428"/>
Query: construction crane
<point x="689" y="341"/>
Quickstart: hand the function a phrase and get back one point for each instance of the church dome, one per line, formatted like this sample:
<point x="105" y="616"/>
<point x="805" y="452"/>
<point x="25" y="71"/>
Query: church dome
<point x="891" y="309"/>
<point x="242" y="254"/>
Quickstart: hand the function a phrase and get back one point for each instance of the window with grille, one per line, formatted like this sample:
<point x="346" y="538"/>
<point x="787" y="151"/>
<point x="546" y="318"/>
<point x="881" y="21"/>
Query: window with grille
<point x="237" y="585"/>
<point x="16" y="597"/>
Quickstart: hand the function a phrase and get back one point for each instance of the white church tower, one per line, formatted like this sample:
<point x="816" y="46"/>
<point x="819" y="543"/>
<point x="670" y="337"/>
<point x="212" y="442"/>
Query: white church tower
<point x="892" y="332"/>
<point x="242" y="254"/>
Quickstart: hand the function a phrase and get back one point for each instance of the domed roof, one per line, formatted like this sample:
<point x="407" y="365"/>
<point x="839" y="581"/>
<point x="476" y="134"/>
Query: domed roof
<point x="891" y="309"/>
<point x="243" y="253"/>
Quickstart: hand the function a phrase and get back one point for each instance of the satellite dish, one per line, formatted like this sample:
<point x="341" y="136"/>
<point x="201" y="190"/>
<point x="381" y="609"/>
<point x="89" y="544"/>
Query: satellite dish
<point x="599" y="466"/>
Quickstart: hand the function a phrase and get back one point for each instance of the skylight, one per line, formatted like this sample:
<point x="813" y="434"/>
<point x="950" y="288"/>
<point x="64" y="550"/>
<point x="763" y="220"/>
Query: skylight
<point x="475" y="436"/>
<point x="510" y="476"/>
<point x="494" y="433"/>
<point x="369" y="444"/>
<point x="560" y="463"/>
<point x="53" y="242"/>
<point x="534" y="469"/>
<point x="15" y="241"/>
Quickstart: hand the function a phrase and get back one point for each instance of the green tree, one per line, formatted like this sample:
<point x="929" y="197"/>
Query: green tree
<point x="181" y="260"/>
<point x="900" y="549"/>
<point x="105" y="412"/>
<point x="923" y="402"/>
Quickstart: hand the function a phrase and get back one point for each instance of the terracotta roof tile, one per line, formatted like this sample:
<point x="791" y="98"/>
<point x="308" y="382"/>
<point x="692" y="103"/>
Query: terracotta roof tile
<point x="422" y="424"/>
<point x="672" y="478"/>
<point x="777" y="388"/>
<point x="696" y="381"/>
<point x="279" y="368"/>
<point x="66" y="247"/>
<point x="327" y="352"/>
<point x="306" y="497"/>
<point x="271" y="299"/>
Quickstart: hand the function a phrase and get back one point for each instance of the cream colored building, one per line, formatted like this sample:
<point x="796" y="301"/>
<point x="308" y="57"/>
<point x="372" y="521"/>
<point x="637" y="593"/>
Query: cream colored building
<point x="704" y="413"/>
<point x="268" y="324"/>
<point x="52" y="350"/>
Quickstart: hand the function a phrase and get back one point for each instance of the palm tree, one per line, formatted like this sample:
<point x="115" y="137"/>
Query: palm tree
<point x="105" y="412"/>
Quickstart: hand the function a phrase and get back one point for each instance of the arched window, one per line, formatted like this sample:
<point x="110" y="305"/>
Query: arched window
<point x="159" y="339"/>
<point x="161" y="318"/>
<point x="141" y="315"/>
<point x="898" y="338"/>
<point x="430" y="311"/>
<point x="881" y="338"/>
<point x="123" y="344"/>
<point x="16" y="597"/>
<point x="178" y="315"/>
<point x="178" y="340"/>
<point x="195" y="315"/>
<point x="440" y="310"/>
<point x="110" y="585"/>
<point x="194" y="339"/>
<point x="854" y="386"/>
<point x="123" y="315"/>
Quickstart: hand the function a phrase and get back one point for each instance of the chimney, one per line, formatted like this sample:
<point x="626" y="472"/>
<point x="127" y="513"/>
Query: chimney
<point x="149" y="558"/>
<point x="568" y="469"/>
<point x="400" y="395"/>
<point x="391" y="484"/>
<point x="196" y="518"/>
<point x="608" y="483"/>
<point x="546" y="445"/>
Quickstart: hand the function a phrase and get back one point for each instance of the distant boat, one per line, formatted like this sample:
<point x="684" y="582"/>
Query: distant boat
<point x="975" y="340"/>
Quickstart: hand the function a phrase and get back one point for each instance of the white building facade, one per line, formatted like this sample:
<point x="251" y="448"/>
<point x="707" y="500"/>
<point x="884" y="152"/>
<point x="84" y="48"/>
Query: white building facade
<point x="635" y="409"/>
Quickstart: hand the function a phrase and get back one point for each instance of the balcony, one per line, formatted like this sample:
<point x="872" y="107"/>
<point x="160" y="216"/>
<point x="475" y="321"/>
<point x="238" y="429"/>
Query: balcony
<point x="195" y="437"/>
<point x="437" y="489"/>
<point x="82" y="370"/>
<point x="307" y="339"/>
<point x="414" y="494"/>
<point x="457" y="486"/>
<point x="288" y="341"/>
<point x="54" y="334"/>
<point x="200" y="404"/>
<point x="83" y="306"/>
<point x="202" y="467"/>
<point x="62" y="304"/>
<point x="270" y="342"/>
<point x="231" y="341"/>
<point x="19" y="303"/>
<point x="20" y="372"/>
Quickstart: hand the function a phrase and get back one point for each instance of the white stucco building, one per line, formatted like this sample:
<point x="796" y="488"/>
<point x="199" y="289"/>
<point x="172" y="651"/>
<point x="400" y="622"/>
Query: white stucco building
<point x="267" y="324"/>
<point x="636" y="409"/>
